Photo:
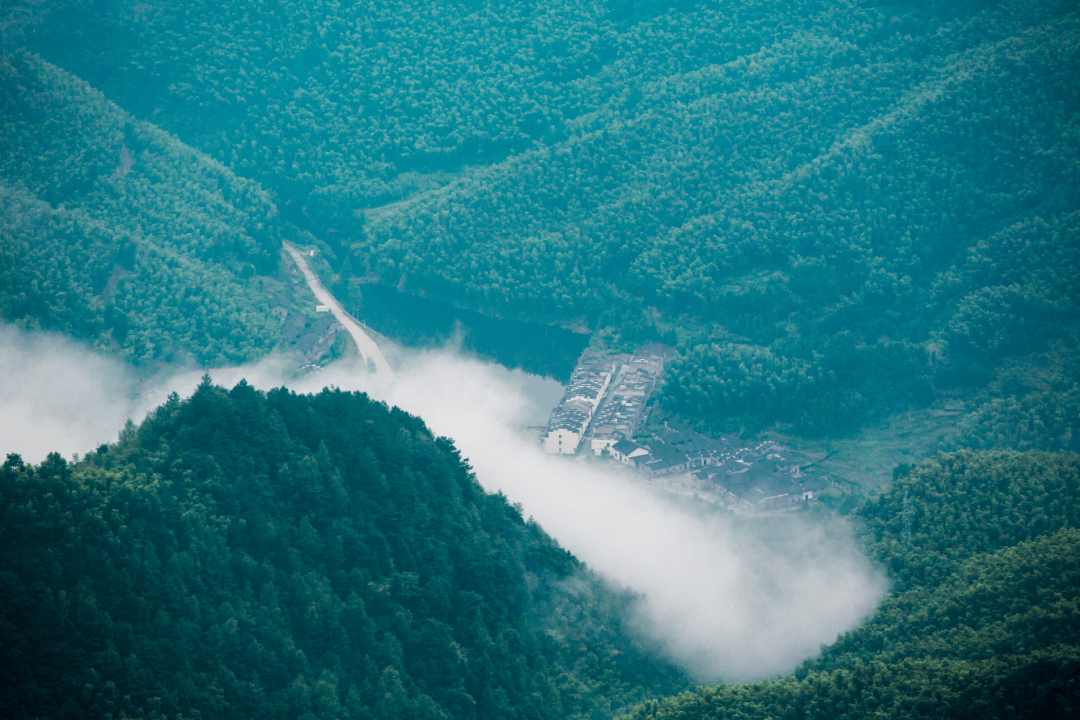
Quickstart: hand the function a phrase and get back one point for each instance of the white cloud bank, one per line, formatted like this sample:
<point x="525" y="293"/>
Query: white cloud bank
<point x="58" y="396"/>
<point x="730" y="599"/>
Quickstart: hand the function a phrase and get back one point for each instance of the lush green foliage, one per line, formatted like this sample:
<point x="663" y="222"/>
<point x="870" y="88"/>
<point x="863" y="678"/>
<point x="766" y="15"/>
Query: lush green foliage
<point x="984" y="618"/>
<point x="833" y="209"/>
<point x="277" y="555"/>
<point x="836" y="209"/>
<point x="965" y="504"/>
<point x="115" y="232"/>
<point x="1030" y="403"/>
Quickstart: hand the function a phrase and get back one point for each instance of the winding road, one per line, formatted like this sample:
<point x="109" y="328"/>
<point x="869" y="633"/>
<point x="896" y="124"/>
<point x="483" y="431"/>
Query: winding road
<point x="368" y="348"/>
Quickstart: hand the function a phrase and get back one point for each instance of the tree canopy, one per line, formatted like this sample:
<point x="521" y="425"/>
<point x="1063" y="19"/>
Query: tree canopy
<point x="983" y="620"/>
<point x="283" y="555"/>
<point x="835" y="211"/>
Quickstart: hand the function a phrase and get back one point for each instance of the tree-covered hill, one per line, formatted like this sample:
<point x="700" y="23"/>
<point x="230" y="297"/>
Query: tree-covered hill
<point x="834" y="209"/>
<point x="984" y="617"/>
<point x="243" y="554"/>
<point x="115" y="232"/>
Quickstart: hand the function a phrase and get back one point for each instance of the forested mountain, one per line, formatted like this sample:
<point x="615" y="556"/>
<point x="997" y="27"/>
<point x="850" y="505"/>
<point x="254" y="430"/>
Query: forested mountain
<point x="115" y="232"/>
<point x="833" y="209"/>
<point x="277" y="555"/>
<point x="242" y="554"/>
<point x="984" y="617"/>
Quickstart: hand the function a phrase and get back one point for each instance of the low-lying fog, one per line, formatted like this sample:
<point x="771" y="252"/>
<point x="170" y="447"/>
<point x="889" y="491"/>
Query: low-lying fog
<point x="729" y="598"/>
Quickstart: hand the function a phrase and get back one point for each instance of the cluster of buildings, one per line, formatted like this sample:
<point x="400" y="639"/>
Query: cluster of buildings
<point x="606" y="405"/>
<point x="605" y="401"/>
<point x="572" y="416"/>
<point x="624" y="409"/>
<point x="760" y="477"/>
<point x="763" y="477"/>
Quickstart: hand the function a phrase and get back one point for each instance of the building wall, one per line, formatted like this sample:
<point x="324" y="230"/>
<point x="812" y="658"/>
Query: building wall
<point x="565" y="442"/>
<point x="628" y="459"/>
<point x="599" y="442"/>
<point x="561" y="442"/>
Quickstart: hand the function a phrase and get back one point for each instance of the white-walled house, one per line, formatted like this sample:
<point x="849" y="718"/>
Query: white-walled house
<point x="600" y="443"/>
<point x="626" y="450"/>
<point x="571" y="418"/>
<point x="562" y="441"/>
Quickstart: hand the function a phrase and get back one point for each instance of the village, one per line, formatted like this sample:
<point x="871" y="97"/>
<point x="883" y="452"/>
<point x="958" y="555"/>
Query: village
<point x="605" y="410"/>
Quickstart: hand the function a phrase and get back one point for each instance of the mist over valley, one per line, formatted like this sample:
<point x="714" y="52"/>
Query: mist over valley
<point x="539" y="361"/>
<point x="726" y="598"/>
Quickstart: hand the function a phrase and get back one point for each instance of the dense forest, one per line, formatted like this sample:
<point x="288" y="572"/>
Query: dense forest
<point x="984" y="617"/>
<point x="280" y="555"/>
<point x="114" y="232"/>
<point x="830" y="211"/>
<point x="834" y="211"/>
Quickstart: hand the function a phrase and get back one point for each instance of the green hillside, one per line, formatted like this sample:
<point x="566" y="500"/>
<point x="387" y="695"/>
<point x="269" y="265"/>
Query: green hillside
<point x="984" y="617"/>
<point x="272" y="555"/>
<point x="834" y="210"/>
<point x="114" y="232"/>
<point x="275" y="555"/>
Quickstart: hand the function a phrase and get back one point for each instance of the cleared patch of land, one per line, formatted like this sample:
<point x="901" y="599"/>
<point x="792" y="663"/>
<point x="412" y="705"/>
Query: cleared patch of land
<point x="864" y="462"/>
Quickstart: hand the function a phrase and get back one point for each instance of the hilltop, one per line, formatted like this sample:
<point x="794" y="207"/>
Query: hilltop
<point x="274" y="555"/>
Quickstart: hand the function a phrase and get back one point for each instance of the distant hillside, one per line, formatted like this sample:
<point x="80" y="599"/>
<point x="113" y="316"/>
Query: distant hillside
<point x="984" y="617"/>
<point x="274" y="555"/>
<point x="113" y="231"/>
<point x="834" y="210"/>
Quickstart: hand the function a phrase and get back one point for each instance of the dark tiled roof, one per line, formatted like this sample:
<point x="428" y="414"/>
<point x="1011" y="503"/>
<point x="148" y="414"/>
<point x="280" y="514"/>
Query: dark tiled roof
<point x="625" y="447"/>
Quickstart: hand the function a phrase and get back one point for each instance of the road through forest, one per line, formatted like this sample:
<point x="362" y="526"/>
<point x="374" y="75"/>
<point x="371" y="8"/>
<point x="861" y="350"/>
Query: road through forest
<point x="365" y="344"/>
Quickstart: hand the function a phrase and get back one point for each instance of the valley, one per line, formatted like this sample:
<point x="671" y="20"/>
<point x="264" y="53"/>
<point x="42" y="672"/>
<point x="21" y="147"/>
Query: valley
<point x="554" y="360"/>
<point x="368" y="349"/>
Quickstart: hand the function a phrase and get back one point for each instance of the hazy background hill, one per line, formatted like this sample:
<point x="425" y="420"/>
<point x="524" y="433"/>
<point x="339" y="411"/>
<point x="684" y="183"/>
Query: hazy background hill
<point x="834" y="210"/>
<point x="114" y="232"/>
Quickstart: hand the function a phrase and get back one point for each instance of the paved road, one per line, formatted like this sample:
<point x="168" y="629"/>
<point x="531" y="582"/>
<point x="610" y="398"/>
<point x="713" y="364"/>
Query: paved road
<point x="368" y="348"/>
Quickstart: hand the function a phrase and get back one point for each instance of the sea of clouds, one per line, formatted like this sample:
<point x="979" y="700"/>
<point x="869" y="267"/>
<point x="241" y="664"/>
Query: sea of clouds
<point x="730" y="598"/>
